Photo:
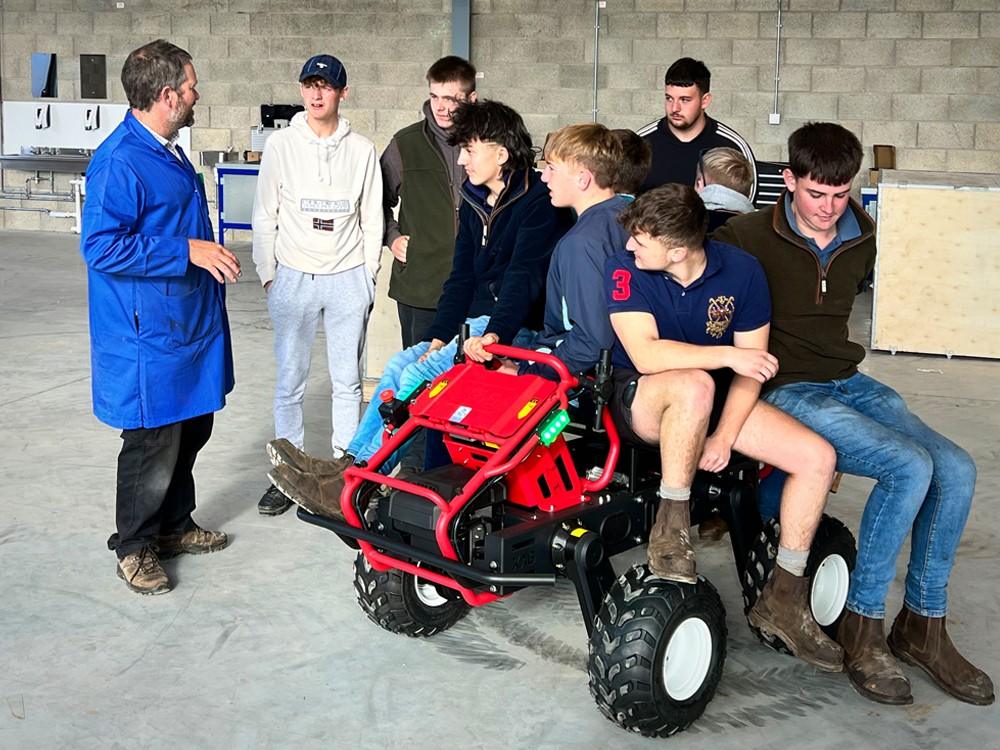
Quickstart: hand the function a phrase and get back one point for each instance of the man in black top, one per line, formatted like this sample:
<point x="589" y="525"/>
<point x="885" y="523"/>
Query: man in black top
<point x="686" y="132"/>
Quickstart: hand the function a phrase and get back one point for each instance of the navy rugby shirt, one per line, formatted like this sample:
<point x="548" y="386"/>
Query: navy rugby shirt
<point x="730" y="296"/>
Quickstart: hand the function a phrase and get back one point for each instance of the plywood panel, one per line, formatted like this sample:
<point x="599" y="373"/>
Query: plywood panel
<point x="937" y="283"/>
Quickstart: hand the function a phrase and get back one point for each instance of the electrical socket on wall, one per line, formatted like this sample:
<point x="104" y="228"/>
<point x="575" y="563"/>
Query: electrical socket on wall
<point x="774" y="118"/>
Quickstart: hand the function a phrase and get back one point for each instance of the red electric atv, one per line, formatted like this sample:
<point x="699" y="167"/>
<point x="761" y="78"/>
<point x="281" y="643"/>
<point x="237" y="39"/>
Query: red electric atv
<point x="539" y="486"/>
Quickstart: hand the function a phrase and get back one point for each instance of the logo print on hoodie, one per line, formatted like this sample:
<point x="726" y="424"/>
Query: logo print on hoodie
<point x="319" y="206"/>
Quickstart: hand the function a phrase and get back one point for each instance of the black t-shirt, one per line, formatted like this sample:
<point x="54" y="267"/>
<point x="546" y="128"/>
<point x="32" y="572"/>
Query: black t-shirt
<point x="677" y="161"/>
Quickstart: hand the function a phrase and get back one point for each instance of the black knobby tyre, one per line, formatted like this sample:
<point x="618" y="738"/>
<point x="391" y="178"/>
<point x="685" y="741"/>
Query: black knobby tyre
<point x="402" y="603"/>
<point x="642" y="621"/>
<point x="832" y="556"/>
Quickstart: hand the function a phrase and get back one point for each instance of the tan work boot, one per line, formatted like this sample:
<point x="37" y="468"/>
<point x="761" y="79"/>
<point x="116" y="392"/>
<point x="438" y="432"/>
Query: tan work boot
<point x="143" y="573"/>
<point x="669" y="551"/>
<point x="783" y="610"/>
<point x="196" y="541"/>
<point x="924" y="642"/>
<point x="318" y="494"/>
<point x="283" y="452"/>
<point x="873" y="671"/>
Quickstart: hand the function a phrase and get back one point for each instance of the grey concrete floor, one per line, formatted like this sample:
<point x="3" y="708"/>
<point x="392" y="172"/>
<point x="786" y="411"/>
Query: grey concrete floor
<point x="263" y="644"/>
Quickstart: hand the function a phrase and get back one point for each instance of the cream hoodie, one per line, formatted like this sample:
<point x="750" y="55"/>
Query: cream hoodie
<point x="318" y="207"/>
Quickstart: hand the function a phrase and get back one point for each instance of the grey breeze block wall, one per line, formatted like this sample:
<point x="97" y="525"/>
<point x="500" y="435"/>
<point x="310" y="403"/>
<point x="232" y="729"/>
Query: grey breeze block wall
<point x="923" y="75"/>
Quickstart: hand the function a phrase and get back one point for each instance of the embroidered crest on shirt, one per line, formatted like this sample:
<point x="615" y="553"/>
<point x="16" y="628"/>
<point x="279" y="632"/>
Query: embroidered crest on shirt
<point x="720" y="315"/>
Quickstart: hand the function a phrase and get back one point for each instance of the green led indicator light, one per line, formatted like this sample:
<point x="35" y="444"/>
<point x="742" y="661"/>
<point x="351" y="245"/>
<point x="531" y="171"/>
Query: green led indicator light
<point x="551" y="428"/>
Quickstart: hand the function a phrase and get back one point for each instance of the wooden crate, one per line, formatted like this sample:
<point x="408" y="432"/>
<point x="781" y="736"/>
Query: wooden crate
<point x="937" y="277"/>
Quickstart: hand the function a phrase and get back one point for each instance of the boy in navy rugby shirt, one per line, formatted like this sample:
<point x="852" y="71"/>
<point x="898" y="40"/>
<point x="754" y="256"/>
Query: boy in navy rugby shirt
<point x="692" y="319"/>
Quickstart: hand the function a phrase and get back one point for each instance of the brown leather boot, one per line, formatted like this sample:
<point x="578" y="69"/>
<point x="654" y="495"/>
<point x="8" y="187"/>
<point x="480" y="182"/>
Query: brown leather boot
<point x="872" y="670"/>
<point x="669" y="551"/>
<point x="783" y="610"/>
<point x="282" y="451"/>
<point x="924" y="642"/>
<point x="318" y="494"/>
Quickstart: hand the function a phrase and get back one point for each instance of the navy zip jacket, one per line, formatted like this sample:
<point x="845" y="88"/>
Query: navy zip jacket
<point x="501" y="259"/>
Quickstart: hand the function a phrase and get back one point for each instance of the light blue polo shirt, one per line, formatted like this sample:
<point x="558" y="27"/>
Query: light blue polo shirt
<point x="847" y="229"/>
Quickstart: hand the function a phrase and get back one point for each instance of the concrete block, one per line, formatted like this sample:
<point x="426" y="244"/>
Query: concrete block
<point x="29" y="23"/>
<point x="775" y="136"/>
<point x="898" y="134"/>
<point x="837" y="78"/>
<point x="928" y="5"/>
<point x="109" y="22"/>
<point x="613" y="50"/>
<point x="22" y="220"/>
<point x="631" y="25"/>
<point x="706" y="5"/>
<point x="659" y="5"/>
<point x="872" y="6"/>
<point x="541" y="125"/>
<point x="809" y="106"/>
<point x="951" y="25"/>
<point x="644" y="77"/>
<point x="867" y="51"/>
<point x="558" y="51"/>
<point x="754" y="5"/>
<point x="17" y="46"/>
<point x="807" y="51"/>
<point x="829" y="5"/>
<point x="514" y="50"/>
<point x="988" y="136"/>
<point x="920" y="107"/>
<point x="375" y="97"/>
<point x="152" y="25"/>
<point x="734" y="78"/>
<point x="68" y="24"/>
<point x="519" y="26"/>
<point x="62" y="47"/>
<point x="793" y="78"/>
<point x="974" y="108"/>
<point x="210" y="139"/>
<point x="515" y="6"/>
<point x="17" y="88"/>
<point x="13" y="5"/>
<point x="423" y="25"/>
<point x="975" y="52"/>
<point x="895" y="25"/>
<point x="716" y="51"/>
<point x="398" y="74"/>
<point x="230" y="24"/>
<point x="986" y="162"/>
<point x="989" y="25"/>
<point x="581" y="76"/>
<point x="746" y="52"/>
<point x="722" y="104"/>
<point x="418" y="50"/>
<point x="60" y="5"/>
<point x="753" y="103"/>
<point x="681" y="25"/>
<point x="949" y="80"/>
<point x="933" y="160"/>
<point x="613" y="103"/>
<point x="793" y="25"/>
<point x="424" y="6"/>
<point x="732" y="25"/>
<point x="922" y="52"/>
<point x="946" y="135"/>
<point x="989" y="79"/>
<point x="976" y="5"/>
<point x="892" y="80"/>
<point x="839" y="25"/>
<point x="290" y="48"/>
<point x="231" y="117"/>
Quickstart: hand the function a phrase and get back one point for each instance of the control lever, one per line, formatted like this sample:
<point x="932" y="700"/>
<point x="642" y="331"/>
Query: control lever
<point x="463" y="334"/>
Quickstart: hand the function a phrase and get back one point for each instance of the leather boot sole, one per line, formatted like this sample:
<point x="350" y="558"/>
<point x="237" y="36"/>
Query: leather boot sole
<point x="675" y="577"/>
<point x="292" y="494"/>
<point x="903" y="656"/>
<point x="273" y="510"/>
<point x="887" y="700"/>
<point x="769" y="629"/>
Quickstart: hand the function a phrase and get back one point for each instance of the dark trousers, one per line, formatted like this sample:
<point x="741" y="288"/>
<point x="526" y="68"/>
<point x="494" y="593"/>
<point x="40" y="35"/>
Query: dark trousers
<point x="155" y="485"/>
<point x="414" y="322"/>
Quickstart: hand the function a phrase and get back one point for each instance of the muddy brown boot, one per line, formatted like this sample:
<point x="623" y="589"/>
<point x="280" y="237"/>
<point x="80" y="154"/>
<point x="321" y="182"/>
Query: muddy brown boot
<point x="669" y="552"/>
<point x="783" y="610"/>
<point x="316" y="493"/>
<point x="924" y="642"/>
<point x="282" y="451"/>
<point x="873" y="671"/>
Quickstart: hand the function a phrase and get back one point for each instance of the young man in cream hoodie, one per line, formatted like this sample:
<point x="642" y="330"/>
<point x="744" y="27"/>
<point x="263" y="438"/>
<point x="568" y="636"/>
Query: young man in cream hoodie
<point x="317" y="237"/>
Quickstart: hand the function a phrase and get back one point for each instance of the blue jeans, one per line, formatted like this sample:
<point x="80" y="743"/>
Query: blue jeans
<point x="924" y="485"/>
<point x="404" y="372"/>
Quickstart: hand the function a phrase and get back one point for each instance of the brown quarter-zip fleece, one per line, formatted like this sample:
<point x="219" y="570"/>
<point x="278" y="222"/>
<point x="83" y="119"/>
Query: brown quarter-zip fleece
<point x="810" y="307"/>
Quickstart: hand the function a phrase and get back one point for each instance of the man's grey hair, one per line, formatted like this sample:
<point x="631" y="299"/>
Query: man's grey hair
<point x="149" y="69"/>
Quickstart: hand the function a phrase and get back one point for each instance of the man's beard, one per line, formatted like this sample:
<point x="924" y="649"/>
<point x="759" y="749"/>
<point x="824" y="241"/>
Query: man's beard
<point x="180" y="119"/>
<point x="682" y="124"/>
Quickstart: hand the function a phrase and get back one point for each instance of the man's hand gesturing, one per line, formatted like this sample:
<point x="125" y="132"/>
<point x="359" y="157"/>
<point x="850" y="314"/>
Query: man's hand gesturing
<point x="215" y="259"/>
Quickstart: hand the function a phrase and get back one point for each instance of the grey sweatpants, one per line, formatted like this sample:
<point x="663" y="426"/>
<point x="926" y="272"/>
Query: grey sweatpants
<point x="296" y="302"/>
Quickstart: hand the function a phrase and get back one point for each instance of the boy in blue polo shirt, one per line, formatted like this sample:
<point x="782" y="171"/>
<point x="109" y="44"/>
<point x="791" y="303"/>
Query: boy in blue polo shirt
<point x="692" y="319"/>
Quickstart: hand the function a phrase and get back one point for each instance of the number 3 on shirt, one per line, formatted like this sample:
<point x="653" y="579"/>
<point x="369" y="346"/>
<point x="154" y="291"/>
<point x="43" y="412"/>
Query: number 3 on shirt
<point x="622" y="290"/>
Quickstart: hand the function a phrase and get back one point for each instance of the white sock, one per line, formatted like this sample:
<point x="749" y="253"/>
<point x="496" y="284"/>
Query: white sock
<point x="793" y="560"/>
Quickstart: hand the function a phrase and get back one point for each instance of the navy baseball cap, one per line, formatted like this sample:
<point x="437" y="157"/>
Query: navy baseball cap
<point x="327" y="67"/>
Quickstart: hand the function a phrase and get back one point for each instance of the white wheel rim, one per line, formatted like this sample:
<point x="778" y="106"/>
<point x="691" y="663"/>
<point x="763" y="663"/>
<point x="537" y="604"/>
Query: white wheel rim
<point x="829" y="589"/>
<point x="687" y="659"/>
<point x="428" y="594"/>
